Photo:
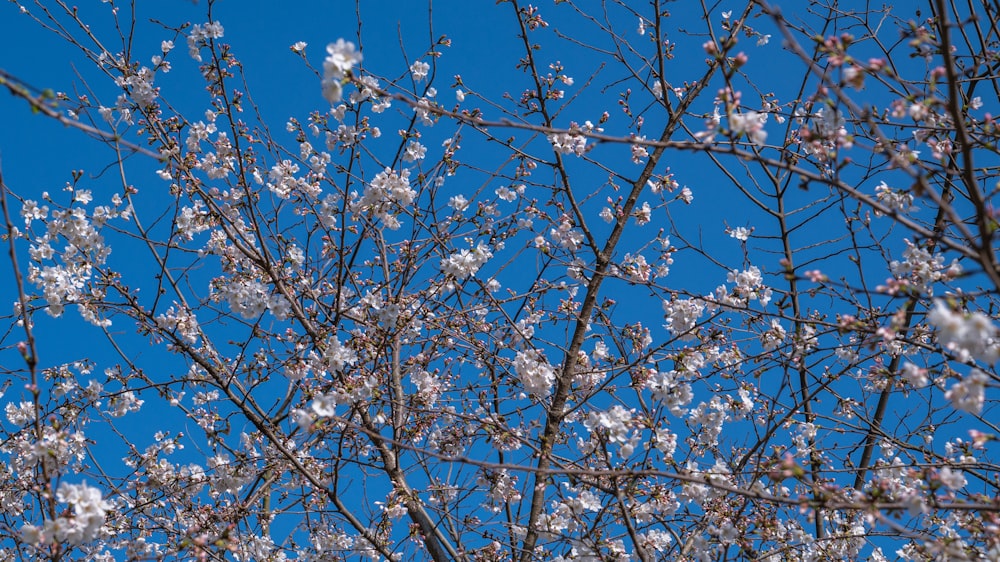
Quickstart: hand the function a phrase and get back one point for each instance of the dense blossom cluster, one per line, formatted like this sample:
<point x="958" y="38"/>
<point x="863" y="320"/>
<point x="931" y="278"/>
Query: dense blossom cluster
<point x="465" y="263"/>
<point x="64" y="275"/>
<point x="968" y="336"/>
<point x="386" y="193"/>
<point x="84" y="524"/>
<point x="341" y="58"/>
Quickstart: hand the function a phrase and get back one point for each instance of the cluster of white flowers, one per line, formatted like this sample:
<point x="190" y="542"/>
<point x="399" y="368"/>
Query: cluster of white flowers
<point x="386" y="190"/>
<point x="749" y="286"/>
<point x="424" y="107"/>
<point x="750" y="123"/>
<point x="458" y="202"/>
<point x="682" y="316"/>
<point x="639" y="149"/>
<point x="69" y="280"/>
<point x="325" y="404"/>
<point x="586" y="376"/>
<point x="55" y="450"/>
<point x="773" y="337"/>
<point x="199" y="132"/>
<point x="337" y="356"/>
<point x="61" y="284"/>
<point x="710" y="416"/>
<point x="923" y="269"/>
<point x="740" y="233"/>
<point x="565" y="235"/>
<point x="248" y="298"/>
<point x="30" y="211"/>
<point x="894" y="478"/>
<point x="534" y="372"/>
<point x="954" y="479"/>
<point x="665" y="441"/>
<point x="419" y="70"/>
<point x="503" y="488"/>
<point x="250" y="547"/>
<point x="328" y="540"/>
<point x="672" y="388"/>
<point x="805" y="340"/>
<point x="318" y="161"/>
<point x="79" y="231"/>
<point x="282" y="181"/>
<point x="226" y="476"/>
<point x="200" y="35"/>
<point x="414" y="151"/>
<point x="368" y="90"/>
<point x="22" y="413"/>
<point x="139" y="85"/>
<point x="341" y="57"/>
<point x="657" y="539"/>
<point x="429" y="386"/>
<point x="643" y="214"/>
<point x="123" y="403"/>
<point x="192" y="220"/>
<point x="564" y="516"/>
<point x="968" y="394"/>
<point x="509" y="194"/>
<point x="895" y="199"/>
<point x="801" y="439"/>
<point x="635" y="268"/>
<point x="829" y="123"/>
<point x="690" y="360"/>
<point x="83" y="525"/>
<point x="968" y="336"/>
<point x="697" y="493"/>
<point x="914" y="375"/>
<point x="466" y="263"/>
<point x="568" y="143"/>
<point x="278" y="305"/>
<point x="615" y="425"/>
<point x="182" y="320"/>
<point x="328" y="210"/>
<point x="346" y="136"/>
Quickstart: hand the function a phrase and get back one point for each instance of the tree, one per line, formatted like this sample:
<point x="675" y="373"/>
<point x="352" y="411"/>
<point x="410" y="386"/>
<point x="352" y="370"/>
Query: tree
<point x="655" y="281"/>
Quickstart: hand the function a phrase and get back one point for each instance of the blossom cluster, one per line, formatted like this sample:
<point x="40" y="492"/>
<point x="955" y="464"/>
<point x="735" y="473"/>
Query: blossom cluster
<point x="535" y="373"/>
<point x="968" y="336"/>
<point x="341" y="58"/>
<point x="84" y="524"/>
<point x="387" y="194"/>
<point x="65" y="276"/>
<point x="466" y="263"/>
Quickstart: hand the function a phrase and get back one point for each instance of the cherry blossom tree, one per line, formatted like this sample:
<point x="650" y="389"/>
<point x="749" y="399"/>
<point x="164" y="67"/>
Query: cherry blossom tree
<point x="691" y="281"/>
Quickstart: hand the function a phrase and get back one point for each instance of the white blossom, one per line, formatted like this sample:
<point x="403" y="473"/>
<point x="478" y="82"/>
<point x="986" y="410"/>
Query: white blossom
<point x="419" y="70"/>
<point x="341" y="57"/>
<point x="682" y="316"/>
<point x="82" y="525"/>
<point x="534" y="372"/>
<point x="968" y="394"/>
<point x="466" y="263"/>
<point x="967" y="335"/>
